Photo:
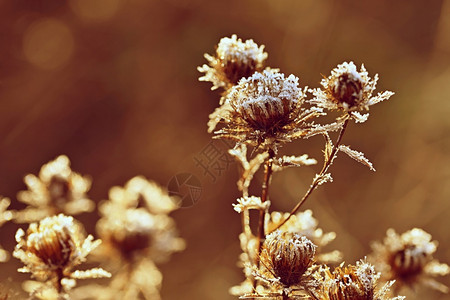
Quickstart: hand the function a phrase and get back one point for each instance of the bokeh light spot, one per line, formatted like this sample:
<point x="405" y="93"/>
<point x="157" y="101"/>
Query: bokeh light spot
<point x="48" y="44"/>
<point x="95" y="10"/>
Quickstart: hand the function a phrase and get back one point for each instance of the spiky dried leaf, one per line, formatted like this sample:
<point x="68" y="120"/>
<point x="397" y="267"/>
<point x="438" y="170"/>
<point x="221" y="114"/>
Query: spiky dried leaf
<point x="356" y="155"/>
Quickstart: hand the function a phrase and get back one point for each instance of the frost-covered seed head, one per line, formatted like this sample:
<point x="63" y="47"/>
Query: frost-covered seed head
<point x="132" y="232"/>
<point x="266" y="101"/>
<point x="352" y="282"/>
<point x="288" y="256"/>
<point x="408" y="259"/>
<point x="347" y="89"/>
<point x="54" y="240"/>
<point x="234" y="60"/>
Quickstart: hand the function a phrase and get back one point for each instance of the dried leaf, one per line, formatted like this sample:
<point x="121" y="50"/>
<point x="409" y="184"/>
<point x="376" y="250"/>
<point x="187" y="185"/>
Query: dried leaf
<point x="324" y="178"/>
<point x="292" y="161"/>
<point x="356" y="155"/>
<point x="252" y="202"/>
<point x="328" y="147"/>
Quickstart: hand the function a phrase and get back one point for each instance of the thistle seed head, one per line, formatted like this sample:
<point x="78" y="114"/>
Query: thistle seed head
<point x="233" y="61"/>
<point x="267" y="100"/>
<point x="408" y="259"/>
<point x="288" y="256"/>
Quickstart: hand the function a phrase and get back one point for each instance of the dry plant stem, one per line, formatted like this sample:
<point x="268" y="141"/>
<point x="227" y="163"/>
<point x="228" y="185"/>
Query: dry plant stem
<point x="316" y="181"/>
<point x="59" y="278"/>
<point x="264" y="197"/>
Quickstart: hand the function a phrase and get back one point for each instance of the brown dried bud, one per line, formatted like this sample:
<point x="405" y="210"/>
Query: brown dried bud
<point x="347" y="89"/>
<point x="287" y="256"/>
<point x="51" y="249"/>
<point x="59" y="190"/>
<point x="266" y="101"/>
<point x="409" y="262"/>
<point x="233" y="61"/>
<point x="350" y="283"/>
<point x="133" y="232"/>
<point x="54" y="240"/>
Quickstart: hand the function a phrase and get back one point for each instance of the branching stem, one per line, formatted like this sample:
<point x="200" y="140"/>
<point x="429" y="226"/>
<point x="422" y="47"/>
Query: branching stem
<point x="316" y="180"/>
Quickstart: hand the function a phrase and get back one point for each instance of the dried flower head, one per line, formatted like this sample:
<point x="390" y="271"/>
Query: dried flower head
<point x="266" y="109"/>
<point x="135" y="221"/>
<point x="57" y="190"/>
<point x="287" y="256"/>
<point x="408" y="258"/>
<point x="137" y="232"/>
<point x="285" y="262"/>
<point x="352" y="282"/>
<point x="234" y="60"/>
<point x="51" y="249"/>
<point x="305" y="224"/>
<point x="349" y="90"/>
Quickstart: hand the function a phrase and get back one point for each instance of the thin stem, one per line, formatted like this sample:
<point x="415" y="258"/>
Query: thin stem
<point x="261" y="235"/>
<point x="316" y="180"/>
<point x="59" y="278"/>
<point x="265" y="196"/>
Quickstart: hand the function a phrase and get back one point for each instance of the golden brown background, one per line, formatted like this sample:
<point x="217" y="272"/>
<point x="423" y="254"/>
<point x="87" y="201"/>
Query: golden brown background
<point x="113" y="84"/>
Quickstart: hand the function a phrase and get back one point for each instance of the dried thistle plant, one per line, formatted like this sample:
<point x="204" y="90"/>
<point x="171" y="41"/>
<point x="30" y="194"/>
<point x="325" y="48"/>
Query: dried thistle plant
<point x="51" y="249"/>
<point x="305" y="224"/>
<point x="137" y="233"/>
<point x="355" y="282"/>
<point x="263" y="110"/>
<point x="408" y="259"/>
<point x="286" y="259"/>
<point x="266" y="110"/>
<point x="349" y="90"/>
<point x="5" y="216"/>
<point x="56" y="190"/>
<point x="233" y="61"/>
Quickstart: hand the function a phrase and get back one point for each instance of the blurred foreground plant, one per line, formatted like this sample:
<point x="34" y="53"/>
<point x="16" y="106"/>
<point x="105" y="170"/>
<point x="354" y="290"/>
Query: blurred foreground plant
<point x="135" y="234"/>
<point x="50" y="250"/>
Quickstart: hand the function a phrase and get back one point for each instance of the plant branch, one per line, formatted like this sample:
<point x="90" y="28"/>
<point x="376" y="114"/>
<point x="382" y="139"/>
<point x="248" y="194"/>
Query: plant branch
<point x="265" y="196"/>
<point x="316" y="180"/>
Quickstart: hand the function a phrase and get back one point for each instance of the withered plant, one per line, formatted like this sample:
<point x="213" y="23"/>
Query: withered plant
<point x="134" y="228"/>
<point x="261" y="109"/>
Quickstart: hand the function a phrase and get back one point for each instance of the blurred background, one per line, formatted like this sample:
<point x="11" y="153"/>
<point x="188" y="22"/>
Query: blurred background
<point x="113" y="84"/>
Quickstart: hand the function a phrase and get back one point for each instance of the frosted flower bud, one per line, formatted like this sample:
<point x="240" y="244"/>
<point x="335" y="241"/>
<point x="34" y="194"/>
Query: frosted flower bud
<point x="51" y="249"/>
<point x="288" y="256"/>
<point x="267" y="100"/>
<point x="408" y="259"/>
<point x="234" y="59"/>
<point x="266" y="110"/>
